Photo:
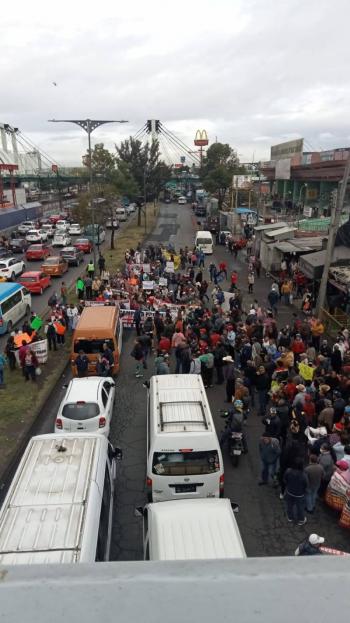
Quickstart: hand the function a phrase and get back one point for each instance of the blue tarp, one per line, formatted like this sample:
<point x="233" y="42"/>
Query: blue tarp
<point x="245" y="211"/>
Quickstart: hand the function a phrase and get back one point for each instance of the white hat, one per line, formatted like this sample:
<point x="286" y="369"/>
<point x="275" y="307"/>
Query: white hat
<point x="314" y="539"/>
<point x="228" y="358"/>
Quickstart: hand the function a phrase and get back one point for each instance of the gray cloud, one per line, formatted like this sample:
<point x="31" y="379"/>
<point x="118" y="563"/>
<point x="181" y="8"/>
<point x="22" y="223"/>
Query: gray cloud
<point x="251" y="72"/>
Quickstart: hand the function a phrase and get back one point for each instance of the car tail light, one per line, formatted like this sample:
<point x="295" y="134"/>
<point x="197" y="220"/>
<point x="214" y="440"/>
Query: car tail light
<point x="1" y="322"/>
<point x="59" y="423"/>
<point x="221" y="486"/>
<point x="149" y="483"/>
<point x="102" y="422"/>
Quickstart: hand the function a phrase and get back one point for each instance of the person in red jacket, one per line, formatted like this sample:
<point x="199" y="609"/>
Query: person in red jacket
<point x="298" y="347"/>
<point x="164" y="344"/>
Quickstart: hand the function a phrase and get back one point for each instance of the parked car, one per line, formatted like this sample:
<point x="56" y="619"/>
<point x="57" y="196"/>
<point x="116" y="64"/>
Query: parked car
<point x="84" y="244"/>
<point x="132" y="207"/>
<point x="182" y="200"/>
<point x="18" y="245"/>
<point x="11" y="267"/>
<point x="87" y="406"/>
<point x="72" y="255"/>
<point x="109" y="223"/>
<point x="24" y="227"/>
<point x="37" y="252"/>
<point x="49" y="229"/>
<point x="61" y="240"/>
<point x="54" y="266"/>
<point x="74" y="229"/>
<point x="35" y="281"/>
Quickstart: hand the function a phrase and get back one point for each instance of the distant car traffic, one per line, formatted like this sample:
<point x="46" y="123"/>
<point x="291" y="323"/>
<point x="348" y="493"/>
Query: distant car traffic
<point x="182" y="200"/>
<point x="62" y="225"/>
<point x="33" y="235"/>
<point x="54" y="266"/>
<point x="74" y="229"/>
<point x="11" y="267"/>
<point x="37" y="252"/>
<point x="87" y="406"/>
<point x="84" y="244"/>
<point x="54" y="218"/>
<point x="18" y="245"/>
<point x="115" y="223"/>
<point x="61" y="239"/>
<point x="24" y="227"/>
<point x="72" y="255"/>
<point x="49" y="229"/>
<point x="121" y="214"/>
<point x="35" y="281"/>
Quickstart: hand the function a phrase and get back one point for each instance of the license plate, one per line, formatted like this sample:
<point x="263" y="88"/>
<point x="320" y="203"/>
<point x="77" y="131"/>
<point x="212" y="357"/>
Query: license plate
<point x="237" y="452"/>
<point x="185" y="489"/>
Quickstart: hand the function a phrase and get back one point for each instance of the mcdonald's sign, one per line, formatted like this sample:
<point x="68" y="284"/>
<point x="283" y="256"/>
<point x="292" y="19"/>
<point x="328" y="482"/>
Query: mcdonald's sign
<point x="201" y="138"/>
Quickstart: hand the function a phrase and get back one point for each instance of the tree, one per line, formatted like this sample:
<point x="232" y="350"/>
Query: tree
<point x="145" y="164"/>
<point x="103" y="161"/>
<point x="220" y="164"/>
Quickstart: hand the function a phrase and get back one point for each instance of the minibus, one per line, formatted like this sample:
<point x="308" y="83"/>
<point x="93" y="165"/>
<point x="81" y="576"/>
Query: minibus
<point x="97" y="325"/>
<point x="204" y="242"/>
<point x="59" y="506"/>
<point x="183" y="452"/>
<point x="15" y="302"/>
<point x="191" y="530"/>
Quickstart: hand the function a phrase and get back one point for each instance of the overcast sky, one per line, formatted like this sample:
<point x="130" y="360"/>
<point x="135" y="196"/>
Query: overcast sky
<point x="251" y="72"/>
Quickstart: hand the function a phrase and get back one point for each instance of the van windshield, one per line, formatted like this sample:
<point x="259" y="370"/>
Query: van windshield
<point x="204" y="241"/>
<point x="185" y="463"/>
<point x="91" y="347"/>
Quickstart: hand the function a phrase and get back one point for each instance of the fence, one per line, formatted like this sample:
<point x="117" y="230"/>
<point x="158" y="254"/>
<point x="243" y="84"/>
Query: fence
<point x="335" y="323"/>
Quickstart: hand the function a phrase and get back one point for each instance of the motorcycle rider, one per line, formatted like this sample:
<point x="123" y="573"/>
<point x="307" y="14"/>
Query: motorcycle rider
<point x="234" y="424"/>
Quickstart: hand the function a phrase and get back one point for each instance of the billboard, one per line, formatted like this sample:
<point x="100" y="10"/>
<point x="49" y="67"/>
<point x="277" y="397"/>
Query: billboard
<point x="282" y="170"/>
<point x="287" y="150"/>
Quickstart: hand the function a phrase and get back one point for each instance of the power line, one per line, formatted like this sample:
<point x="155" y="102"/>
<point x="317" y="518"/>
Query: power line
<point x="37" y="148"/>
<point x="179" y="146"/>
<point x="179" y="141"/>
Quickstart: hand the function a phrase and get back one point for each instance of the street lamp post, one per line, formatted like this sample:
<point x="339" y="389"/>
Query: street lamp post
<point x="300" y="193"/>
<point x="89" y="125"/>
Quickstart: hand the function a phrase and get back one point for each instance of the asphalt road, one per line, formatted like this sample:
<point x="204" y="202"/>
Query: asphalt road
<point x="261" y="518"/>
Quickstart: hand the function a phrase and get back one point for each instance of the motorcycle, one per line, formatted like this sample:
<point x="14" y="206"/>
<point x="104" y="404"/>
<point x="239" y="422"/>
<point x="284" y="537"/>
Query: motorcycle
<point x="235" y="441"/>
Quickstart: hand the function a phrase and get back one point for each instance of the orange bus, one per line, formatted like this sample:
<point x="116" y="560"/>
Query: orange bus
<point x="96" y="326"/>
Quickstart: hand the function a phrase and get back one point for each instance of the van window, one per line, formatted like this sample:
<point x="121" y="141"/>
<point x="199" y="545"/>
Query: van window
<point x="80" y="410"/>
<point x="91" y="347"/>
<point x="204" y="240"/>
<point x="185" y="463"/>
<point x="102" y="538"/>
<point x="13" y="300"/>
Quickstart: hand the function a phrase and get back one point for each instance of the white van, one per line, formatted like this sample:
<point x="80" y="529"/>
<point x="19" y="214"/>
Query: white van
<point x="204" y="241"/>
<point x="183" y="452"/>
<point x="15" y="302"/>
<point x="121" y="214"/>
<point x="190" y="530"/>
<point x="59" y="506"/>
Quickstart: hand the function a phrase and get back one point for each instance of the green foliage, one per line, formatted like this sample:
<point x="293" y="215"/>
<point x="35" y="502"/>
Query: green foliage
<point x="220" y="164"/>
<point x="144" y="164"/>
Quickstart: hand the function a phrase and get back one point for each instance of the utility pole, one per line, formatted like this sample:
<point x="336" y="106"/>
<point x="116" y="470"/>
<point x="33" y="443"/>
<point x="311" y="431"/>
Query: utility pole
<point x="89" y="125"/>
<point x="333" y="228"/>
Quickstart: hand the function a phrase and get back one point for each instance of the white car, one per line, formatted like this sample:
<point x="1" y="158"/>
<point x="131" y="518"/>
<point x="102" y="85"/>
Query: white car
<point x="74" y="229"/>
<point x="11" y="267"/>
<point x="115" y="223"/>
<point x="33" y="235"/>
<point x="132" y="207"/>
<point x="121" y="214"/>
<point x="182" y="200"/>
<point x="61" y="240"/>
<point x="62" y="225"/>
<point x="87" y="406"/>
<point x="24" y="227"/>
<point x="48" y="229"/>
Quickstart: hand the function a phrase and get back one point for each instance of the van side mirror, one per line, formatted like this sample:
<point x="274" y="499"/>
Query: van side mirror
<point x="118" y="454"/>
<point x="146" y="384"/>
<point x="235" y="507"/>
<point x="138" y="511"/>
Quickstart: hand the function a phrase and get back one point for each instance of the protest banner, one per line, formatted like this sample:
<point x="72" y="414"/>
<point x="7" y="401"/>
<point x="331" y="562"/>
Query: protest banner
<point x="169" y="267"/>
<point x="127" y="317"/>
<point x="147" y="285"/>
<point x="41" y="350"/>
<point x="163" y="281"/>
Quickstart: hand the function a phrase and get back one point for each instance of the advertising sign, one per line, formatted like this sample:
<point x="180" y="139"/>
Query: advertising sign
<point x="287" y="150"/>
<point x="282" y="171"/>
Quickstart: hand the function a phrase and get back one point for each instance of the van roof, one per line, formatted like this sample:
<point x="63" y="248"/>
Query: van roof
<point x="44" y="512"/>
<point x="203" y="233"/>
<point x="6" y="289"/>
<point x="193" y="529"/>
<point x="181" y="404"/>
<point x="96" y="320"/>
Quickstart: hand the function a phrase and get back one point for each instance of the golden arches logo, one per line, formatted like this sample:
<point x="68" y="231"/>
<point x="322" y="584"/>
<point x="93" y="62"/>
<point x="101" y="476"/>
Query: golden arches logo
<point x="201" y="138"/>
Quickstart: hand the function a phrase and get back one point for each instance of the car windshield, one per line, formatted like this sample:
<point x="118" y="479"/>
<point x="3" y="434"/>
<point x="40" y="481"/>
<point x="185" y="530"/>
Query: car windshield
<point x="80" y="410"/>
<point x="51" y="260"/>
<point x="185" y="463"/>
<point x="28" y="279"/>
<point x="68" y="250"/>
<point x="91" y="347"/>
<point x="35" y="247"/>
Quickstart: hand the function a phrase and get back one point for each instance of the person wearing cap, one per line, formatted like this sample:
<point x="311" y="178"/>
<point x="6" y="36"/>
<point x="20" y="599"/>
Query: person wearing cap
<point x="272" y="424"/>
<point x="310" y="546"/>
<point x="229" y="376"/>
<point x="299" y="399"/>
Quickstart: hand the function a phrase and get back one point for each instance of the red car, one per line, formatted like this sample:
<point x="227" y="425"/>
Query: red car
<point x="54" y="218"/>
<point x="35" y="281"/>
<point x="83" y="244"/>
<point x="37" y="252"/>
